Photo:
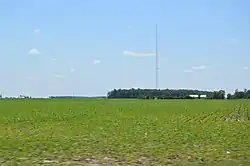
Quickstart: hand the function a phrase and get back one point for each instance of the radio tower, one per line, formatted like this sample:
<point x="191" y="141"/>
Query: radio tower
<point x="156" y="57"/>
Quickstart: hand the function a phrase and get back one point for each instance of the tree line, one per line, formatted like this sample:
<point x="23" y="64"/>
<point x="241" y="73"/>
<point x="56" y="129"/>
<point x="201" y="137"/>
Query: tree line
<point x="175" y="94"/>
<point x="245" y="94"/>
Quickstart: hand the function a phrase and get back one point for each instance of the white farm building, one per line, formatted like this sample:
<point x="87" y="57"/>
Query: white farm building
<point x="198" y="96"/>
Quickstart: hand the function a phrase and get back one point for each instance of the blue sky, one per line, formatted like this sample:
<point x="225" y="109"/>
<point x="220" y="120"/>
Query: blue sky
<point x="61" y="47"/>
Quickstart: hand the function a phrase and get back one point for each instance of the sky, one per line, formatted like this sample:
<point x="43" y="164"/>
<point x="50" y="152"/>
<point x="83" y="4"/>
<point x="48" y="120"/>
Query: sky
<point x="80" y="47"/>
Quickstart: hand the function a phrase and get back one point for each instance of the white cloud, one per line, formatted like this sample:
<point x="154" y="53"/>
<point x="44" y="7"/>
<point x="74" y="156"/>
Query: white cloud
<point x="131" y="53"/>
<point x="53" y="59"/>
<point x="96" y="62"/>
<point x="246" y="68"/>
<point x="72" y="70"/>
<point x="188" y="71"/>
<point x="36" y="30"/>
<point x="202" y="67"/>
<point x="57" y="76"/>
<point x="233" y="40"/>
<point x="34" y="52"/>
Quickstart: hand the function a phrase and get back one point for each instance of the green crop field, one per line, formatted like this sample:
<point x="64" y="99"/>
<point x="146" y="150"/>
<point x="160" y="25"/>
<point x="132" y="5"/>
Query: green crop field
<point x="124" y="132"/>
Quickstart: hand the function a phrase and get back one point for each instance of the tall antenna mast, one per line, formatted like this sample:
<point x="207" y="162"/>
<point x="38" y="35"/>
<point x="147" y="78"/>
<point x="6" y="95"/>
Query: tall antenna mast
<point x="156" y="57"/>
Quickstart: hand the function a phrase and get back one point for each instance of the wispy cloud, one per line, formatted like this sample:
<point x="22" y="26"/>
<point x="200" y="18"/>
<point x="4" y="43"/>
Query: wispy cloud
<point x="36" y="30"/>
<point x="201" y="67"/>
<point x="130" y="27"/>
<point x="34" y="52"/>
<point x="53" y="59"/>
<point x="72" y="70"/>
<point x="188" y="71"/>
<point x="57" y="76"/>
<point x="96" y="62"/>
<point x="246" y="68"/>
<point x="144" y="54"/>
<point x="233" y="40"/>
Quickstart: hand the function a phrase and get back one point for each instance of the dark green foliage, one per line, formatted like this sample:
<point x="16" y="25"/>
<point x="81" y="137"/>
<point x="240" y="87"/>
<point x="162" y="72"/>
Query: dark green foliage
<point x="164" y="94"/>
<point x="175" y="94"/>
<point x="241" y="94"/>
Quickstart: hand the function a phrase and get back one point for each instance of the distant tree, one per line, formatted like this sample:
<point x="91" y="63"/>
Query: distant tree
<point x="218" y="94"/>
<point x="229" y="96"/>
<point x="239" y="94"/>
<point x="175" y="94"/>
<point x="248" y="94"/>
<point x="162" y="94"/>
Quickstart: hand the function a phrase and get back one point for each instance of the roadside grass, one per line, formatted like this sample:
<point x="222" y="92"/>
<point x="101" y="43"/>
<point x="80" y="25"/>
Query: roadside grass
<point x="124" y="132"/>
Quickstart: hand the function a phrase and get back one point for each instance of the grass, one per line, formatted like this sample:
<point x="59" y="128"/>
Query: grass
<point x="124" y="132"/>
